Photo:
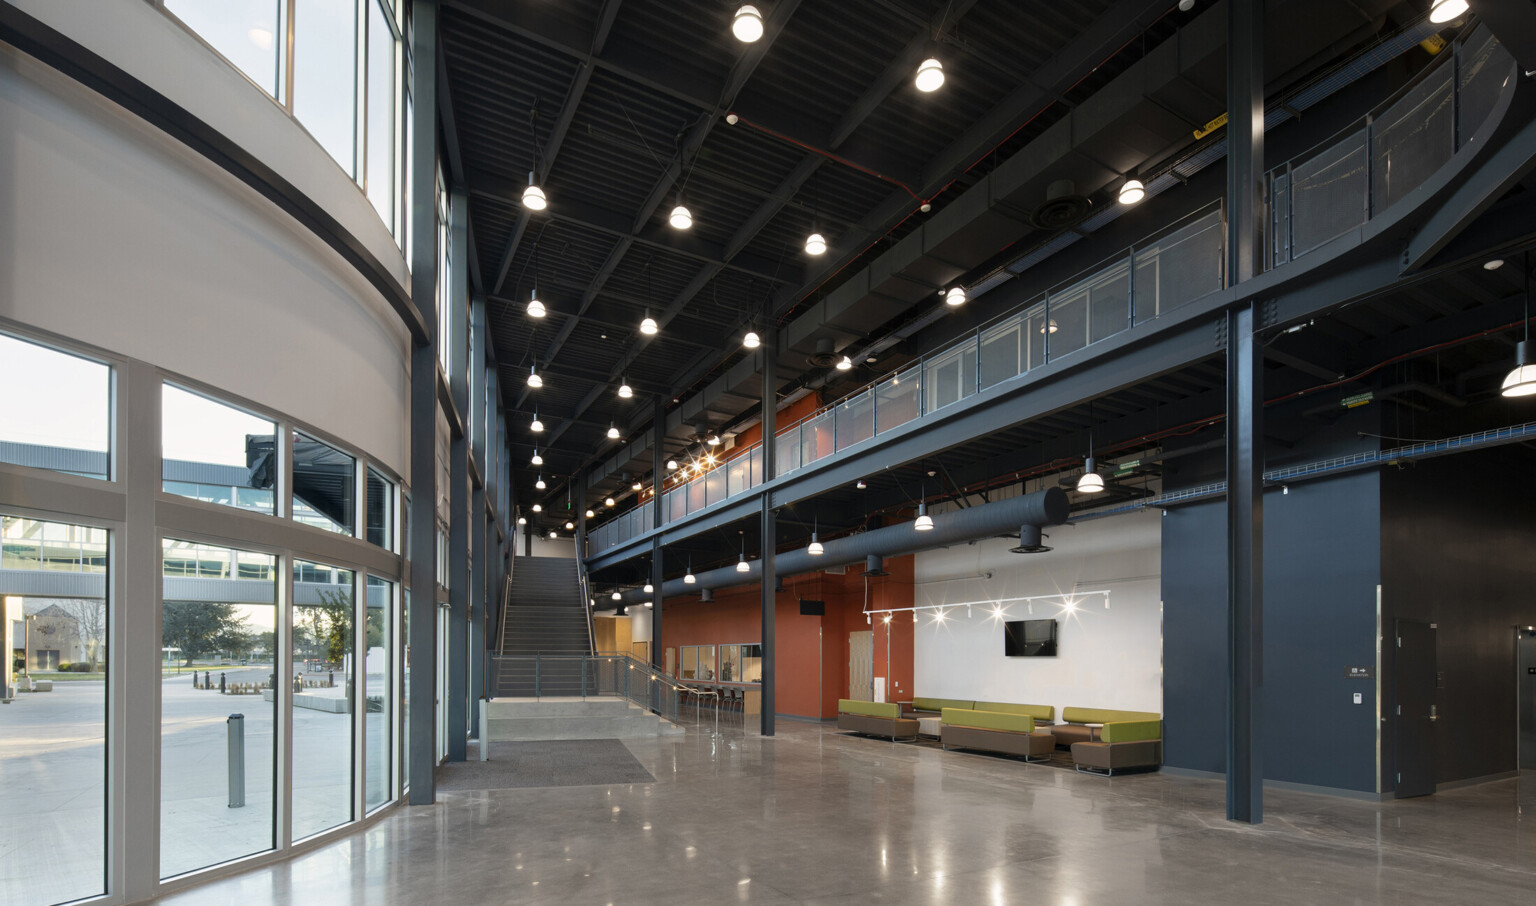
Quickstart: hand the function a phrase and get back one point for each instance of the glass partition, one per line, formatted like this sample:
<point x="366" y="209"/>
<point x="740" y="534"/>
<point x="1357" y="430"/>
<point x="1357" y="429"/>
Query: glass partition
<point x="730" y="663"/>
<point x="53" y="752"/>
<point x="324" y="605"/>
<point x="752" y="663"/>
<point x="35" y="429"/>
<point x="381" y="511"/>
<point x="324" y="485"/>
<point x="855" y="419"/>
<point x="218" y="636"/>
<point x="213" y="452"/>
<point x="690" y="662"/>
<point x="378" y="690"/>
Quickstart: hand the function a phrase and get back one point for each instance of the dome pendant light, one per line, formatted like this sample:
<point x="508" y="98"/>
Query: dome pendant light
<point x="671" y="465"/>
<point x="815" y="244"/>
<point x="537" y="459"/>
<point x="742" y="566"/>
<point x="569" y="525"/>
<point x="538" y="508"/>
<point x="1522" y="381"/>
<point x="537" y="426"/>
<point x="1091" y="482"/>
<point x="1132" y="191"/>
<point x="688" y="578"/>
<point x="522" y="520"/>
<point x="681" y="218"/>
<point x="751" y="340"/>
<point x="534" y="380"/>
<point x="814" y="548"/>
<point x="1440" y="11"/>
<point x="930" y="75"/>
<point x="616" y="595"/>
<point x="535" y="307"/>
<point x="844" y="364"/>
<point x="649" y="589"/>
<point x="540" y="483"/>
<point x="923" y="522"/>
<point x="533" y="196"/>
<point x="608" y="501"/>
<point x="613" y="431"/>
<point x="590" y="514"/>
<point x="648" y="326"/>
<point x="955" y="297"/>
<point x="625" y="391"/>
<point x="747" y="26"/>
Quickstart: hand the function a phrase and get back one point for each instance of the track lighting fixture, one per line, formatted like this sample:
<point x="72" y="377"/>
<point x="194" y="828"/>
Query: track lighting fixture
<point x="681" y="218"/>
<point x="538" y="507"/>
<point x="955" y="297"/>
<point x="1522" y="381"/>
<point x="540" y="483"/>
<point x="613" y="431"/>
<point x="930" y="75"/>
<point x="533" y="196"/>
<point x="815" y="244"/>
<point x="751" y="340"/>
<point x="844" y="364"/>
<point x="537" y="425"/>
<point x="1132" y="191"/>
<point x="535" y="307"/>
<point x="625" y="391"/>
<point x="747" y="25"/>
<point x="608" y="501"/>
<point x="534" y="380"/>
<point x="648" y="326"/>
<point x="1443" y="10"/>
<point x="537" y="459"/>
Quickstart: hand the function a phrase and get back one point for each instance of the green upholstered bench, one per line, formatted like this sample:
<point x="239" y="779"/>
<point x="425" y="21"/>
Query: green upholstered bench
<point x="874" y="719"/>
<point x="1044" y="715"/>
<point x="932" y="707"/>
<point x="1121" y="744"/>
<point x="995" y="731"/>
<point x="1076" y="729"/>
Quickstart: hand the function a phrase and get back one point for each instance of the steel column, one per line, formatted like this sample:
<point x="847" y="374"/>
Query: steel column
<point x="657" y="578"/>
<point x="769" y="522"/>
<point x="1245" y="411"/>
<point x="422" y="644"/>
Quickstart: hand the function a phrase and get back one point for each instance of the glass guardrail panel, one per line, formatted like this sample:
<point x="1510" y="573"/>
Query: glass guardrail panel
<point x="855" y="419"/>
<point x="786" y="456"/>
<point x="1066" y="323"/>
<point x="1179" y="268"/>
<point x="1327" y="194"/>
<point x="677" y="504"/>
<point x="738" y="475"/>
<point x="755" y="466"/>
<point x="949" y="376"/>
<point x="818" y="437"/>
<point x="1412" y="139"/>
<point x="898" y="399"/>
<point x="715" y="485"/>
<point x="1483" y="66"/>
<point x="1002" y="352"/>
<point x="1109" y="302"/>
<point x="696" y="494"/>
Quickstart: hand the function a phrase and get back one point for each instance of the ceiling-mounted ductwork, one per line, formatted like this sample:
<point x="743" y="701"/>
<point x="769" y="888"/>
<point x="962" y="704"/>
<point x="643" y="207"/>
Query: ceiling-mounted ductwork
<point x="825" y="356"/>
<point x="1031" y="540"/>
<point x="1042" y="508"/>
<point x="874" y="565"/>
<point x="1062" y="207"/>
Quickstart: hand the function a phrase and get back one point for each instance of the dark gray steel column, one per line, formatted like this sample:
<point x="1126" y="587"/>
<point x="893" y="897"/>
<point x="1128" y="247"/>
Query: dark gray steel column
<point x="658" y="577"/>
<point x="457" y="573"/>
<point x="769" y="521"/>
<point x="479" y="575"/>
<point x="658" y="482"/>
<point x="580" y="481"/>
<point x="1245" y="416"/>
<point x="422" y="644"/>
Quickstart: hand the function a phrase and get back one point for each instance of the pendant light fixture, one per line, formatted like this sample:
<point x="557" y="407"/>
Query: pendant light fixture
<point x="534" y="380"/>
<point x="1132" y="191"/>
<point x="540" y="483"/>
<point x="747" y="25"/>
<point x="648" y="326"/>
<point x="688" y="578"/>
<point x="537" y="427"/>
<point x="535" y="307"/>
<point x="649" y="589"/>
<point x="616" y="595"/>
<point x="742" y="566"/>
<point x="569" y="525"/>
<point x="533" y="196"/>
<point x="522" y="520"/>
<point x="553" y="534"/>
<point x="635" y="487"/>
<point x="923" y="522"/>
<point x="537" y="459"/>
<point x="815" y="244"/>
<point x="671" y="465"/>
<point x="538" y="507"/>
<point x="590" y="514"/>
<point x="814" y="548"/>
<point x="681" y="218"/>
<point x="751" y="340"/>
<point x="1522" y="381"/>
<point x="844" y="364"/>
<point x="1091" y="482"/>
<point x="930" y="75"/>
<point x="1441" y="10"/>
<point x="608" y="501"/>
<point x="625" y="391"/>
<point x="613" y="431"/>
<point x="955" y="297"/>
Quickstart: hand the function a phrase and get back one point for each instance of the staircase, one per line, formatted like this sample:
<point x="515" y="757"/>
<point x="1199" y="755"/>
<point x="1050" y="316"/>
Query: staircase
<point x="600" y="718"/>
<point x="544" y="614"/>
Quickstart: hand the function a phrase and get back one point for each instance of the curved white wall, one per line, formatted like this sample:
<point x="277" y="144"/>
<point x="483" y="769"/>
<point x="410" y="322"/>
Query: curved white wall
<point x="113" y="234"/>
<point x="1109" y="657"/>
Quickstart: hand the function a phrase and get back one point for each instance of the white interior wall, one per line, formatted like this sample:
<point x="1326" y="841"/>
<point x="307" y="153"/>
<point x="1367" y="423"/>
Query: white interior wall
<point x="640" y="624"/>
<point x="114" y="235"/>
<point x="559" y="547"/>
<point x="1108" y="658"/>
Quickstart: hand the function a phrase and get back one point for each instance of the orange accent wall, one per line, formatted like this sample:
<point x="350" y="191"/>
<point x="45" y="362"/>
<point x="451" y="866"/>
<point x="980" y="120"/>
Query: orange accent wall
<point x="797" y="410"/>
<point x="812" y="652"/>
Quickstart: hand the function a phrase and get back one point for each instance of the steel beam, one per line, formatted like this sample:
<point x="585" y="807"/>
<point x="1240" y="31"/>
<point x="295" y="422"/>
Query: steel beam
<point x="421" y="646"/>
<point x="1245" y="415"/>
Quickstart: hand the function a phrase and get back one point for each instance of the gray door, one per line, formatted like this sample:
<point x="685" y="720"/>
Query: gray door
<point x="861" y="666"/>
<point x="1414" y="668"/>
<point x="1527" y="690"/>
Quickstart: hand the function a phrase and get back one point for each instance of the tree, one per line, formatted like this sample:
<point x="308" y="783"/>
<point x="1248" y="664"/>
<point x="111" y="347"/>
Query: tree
<point x="198" y="627"/>
<point x="91" y="616"/>
<point x="329" y="623"/>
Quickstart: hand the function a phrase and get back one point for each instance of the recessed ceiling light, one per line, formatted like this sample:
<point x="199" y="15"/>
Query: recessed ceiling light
<point x="930" y="75"/>
<point x="747" y="26"/>
<point x="533" y="196"/>
<point x="815" y="244"/>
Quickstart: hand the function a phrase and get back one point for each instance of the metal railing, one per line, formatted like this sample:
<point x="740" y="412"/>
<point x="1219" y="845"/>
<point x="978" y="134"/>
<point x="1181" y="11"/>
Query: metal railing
<point x="584" y="585"/>
<point x="1169" y="270"/>
<point x="1357" y="174"/>
<point x="585" y="677"/>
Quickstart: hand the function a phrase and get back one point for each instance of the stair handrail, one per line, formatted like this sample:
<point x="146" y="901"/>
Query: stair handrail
<point x="586" y="596"/>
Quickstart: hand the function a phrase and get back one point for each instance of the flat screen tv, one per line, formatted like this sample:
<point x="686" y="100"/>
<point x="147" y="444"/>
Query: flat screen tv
<point x="1029" y="638"/>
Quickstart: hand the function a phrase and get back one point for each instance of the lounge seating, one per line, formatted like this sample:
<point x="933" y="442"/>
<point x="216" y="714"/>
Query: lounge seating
<point x="995" y="731"/>
<point x="1122" y="744"/>
<point x="874" y="719"/>
<point x="1044" y="715"/>
<point x="1078" y="720"/>
<point x="933" y="707"/>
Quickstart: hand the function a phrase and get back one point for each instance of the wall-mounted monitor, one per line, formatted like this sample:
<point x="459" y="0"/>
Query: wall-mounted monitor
<point x="1029" y="638"/>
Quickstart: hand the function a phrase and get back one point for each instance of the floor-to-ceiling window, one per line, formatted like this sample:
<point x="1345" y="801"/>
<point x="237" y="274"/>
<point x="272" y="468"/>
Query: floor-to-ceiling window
<point x="325" y="666"/>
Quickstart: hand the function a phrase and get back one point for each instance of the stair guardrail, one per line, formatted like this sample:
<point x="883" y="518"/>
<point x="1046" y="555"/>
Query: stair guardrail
<point x="615" y="675"/>
<point x="586" y="595"/>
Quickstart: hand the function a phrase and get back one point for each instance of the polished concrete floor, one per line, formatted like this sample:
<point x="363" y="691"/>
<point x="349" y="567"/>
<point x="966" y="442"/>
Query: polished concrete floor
<point x="814" y="816"/>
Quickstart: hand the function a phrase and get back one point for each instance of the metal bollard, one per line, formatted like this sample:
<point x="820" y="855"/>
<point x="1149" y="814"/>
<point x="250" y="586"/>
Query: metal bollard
<point x="223" y="686"/>
<point x="236" y="760"/>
